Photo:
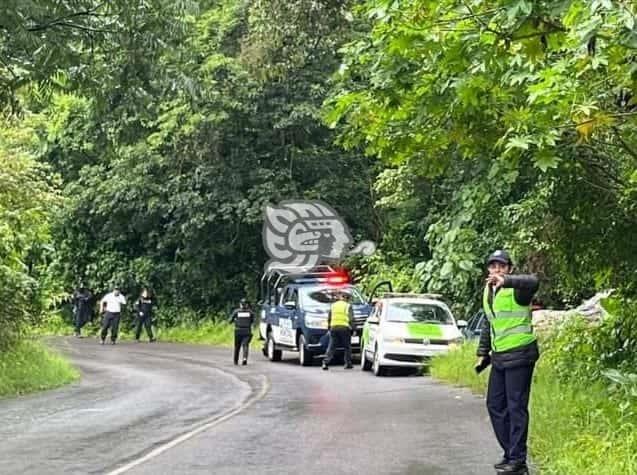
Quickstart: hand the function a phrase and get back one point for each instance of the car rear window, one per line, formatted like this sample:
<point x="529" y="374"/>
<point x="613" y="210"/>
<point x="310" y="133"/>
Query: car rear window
<point x="408" y="312"/>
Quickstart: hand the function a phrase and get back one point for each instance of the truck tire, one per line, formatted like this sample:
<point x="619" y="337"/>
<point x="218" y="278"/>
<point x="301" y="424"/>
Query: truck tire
<point x="273" y="353"/>
<point x="305" y="357"/>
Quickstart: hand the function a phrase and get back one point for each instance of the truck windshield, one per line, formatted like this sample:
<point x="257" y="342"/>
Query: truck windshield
<point x="409" y="312"/>
<point x="320" y="297"/>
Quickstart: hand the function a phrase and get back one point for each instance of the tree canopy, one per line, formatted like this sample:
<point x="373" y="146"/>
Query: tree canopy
<point x="156" y="132"/>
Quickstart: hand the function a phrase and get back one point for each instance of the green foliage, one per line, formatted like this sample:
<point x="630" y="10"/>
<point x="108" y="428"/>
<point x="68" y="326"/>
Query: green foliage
<point x="170" y="192"/>
<point x="519" y="115"/>
<point x="27" y="197"/>
<point x="61" y="45"/>
<point x="598" y="350"/>
<point x="28" y="366"/>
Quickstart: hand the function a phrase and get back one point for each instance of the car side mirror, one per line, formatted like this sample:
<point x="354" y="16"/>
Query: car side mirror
<point x="461" y="324"/>
<point x="373" y="320"/>
<point x="290" y="305"/>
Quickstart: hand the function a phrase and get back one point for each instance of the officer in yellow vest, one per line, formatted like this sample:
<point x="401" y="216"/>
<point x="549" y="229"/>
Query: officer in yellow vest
<point x="340" y="323"/>
<point x="507" y="340"/>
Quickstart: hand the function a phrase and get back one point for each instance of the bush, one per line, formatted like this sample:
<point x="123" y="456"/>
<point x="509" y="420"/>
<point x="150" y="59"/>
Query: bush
<point x="28" y="366"/>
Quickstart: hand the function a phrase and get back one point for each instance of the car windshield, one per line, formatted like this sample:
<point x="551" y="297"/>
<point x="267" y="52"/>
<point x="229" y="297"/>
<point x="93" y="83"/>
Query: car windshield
<point x="408" y="312"/>
<point x="320" y="297"/>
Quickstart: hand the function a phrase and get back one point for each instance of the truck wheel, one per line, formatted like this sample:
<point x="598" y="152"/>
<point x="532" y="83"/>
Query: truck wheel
<point x="305" y="356"/>
<point x="366" y="365"/>
<point x="376" y="367"/>
<point x="273" y="353"/>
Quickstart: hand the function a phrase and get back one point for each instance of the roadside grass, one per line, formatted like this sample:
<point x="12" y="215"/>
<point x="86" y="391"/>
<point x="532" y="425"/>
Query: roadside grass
<point x="205" y="333"/>
<point x="575" y="429"/>
<point x="29" y="366"/>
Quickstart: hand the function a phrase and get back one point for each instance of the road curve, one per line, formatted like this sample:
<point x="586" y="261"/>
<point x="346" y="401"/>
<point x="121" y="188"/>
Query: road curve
<point x="179" y="409"/>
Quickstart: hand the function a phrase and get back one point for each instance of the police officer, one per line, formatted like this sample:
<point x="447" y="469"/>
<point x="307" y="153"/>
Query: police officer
<point x="111" y="307"/>
<point x="145" y="307"/>
<point x="81" y="309"/>
<point x="243" y="318"/>
<point x="507" y="340"/>
<point x="340" y="323"/>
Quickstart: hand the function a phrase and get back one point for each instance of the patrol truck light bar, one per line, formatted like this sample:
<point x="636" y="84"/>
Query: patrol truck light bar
<point x="276" y="276"/>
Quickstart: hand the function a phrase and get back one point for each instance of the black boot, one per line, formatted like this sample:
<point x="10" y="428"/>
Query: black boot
<point x="514" y="468"/>
<point x="325" y="366"/>
<point x="500" y="464"/>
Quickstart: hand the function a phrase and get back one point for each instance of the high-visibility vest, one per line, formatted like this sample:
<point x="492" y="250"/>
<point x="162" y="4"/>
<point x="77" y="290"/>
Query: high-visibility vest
<point x="340" y="314"/>
<point x="511" y="323"/>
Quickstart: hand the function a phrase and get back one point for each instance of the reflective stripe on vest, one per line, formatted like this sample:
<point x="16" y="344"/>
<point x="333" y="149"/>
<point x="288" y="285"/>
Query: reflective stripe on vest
<point x="340" y="314"/>
<point x="511" y="323"/>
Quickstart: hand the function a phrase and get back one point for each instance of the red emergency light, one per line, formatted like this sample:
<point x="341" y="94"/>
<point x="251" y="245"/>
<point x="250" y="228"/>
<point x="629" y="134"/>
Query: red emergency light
<point x="338" y="278"/>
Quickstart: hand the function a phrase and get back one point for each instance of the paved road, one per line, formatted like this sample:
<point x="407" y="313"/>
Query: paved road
<point x="177" y="409"/>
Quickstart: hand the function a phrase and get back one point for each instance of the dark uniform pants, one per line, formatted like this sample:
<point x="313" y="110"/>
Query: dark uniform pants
<point x="80" y="320"/>
<point x="110" y="320"/>
<point x="144" y="320"/>
<point x="507" y="402"/>
<point x="340" y="337"/>
<point x="241" y="340"/>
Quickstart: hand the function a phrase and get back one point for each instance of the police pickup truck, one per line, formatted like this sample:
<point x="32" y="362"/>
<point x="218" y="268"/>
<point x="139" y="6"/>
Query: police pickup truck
<point x="294" y="308"/>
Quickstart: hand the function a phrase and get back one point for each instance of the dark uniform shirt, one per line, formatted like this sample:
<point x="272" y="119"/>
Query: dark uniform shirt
<point x="145" y="306"/>
<point x="82" y="305"/>
<point x="243" y="320"/>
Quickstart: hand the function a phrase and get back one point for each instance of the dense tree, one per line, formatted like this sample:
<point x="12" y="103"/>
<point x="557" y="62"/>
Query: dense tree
<point x="170" y="192"/>
<point x="520" y="115"/>
<point x="27" y="197"/>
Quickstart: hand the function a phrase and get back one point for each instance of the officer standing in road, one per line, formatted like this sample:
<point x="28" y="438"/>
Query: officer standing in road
<point x="340" y="323"/>
<point x="111" y="308"/>
<point x="243" y="319"/>
<point x="507" y="340"/>
<point x="145" y="308"/>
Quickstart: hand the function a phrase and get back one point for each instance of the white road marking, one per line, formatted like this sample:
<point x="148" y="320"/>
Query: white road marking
<point x="208" y="424"/>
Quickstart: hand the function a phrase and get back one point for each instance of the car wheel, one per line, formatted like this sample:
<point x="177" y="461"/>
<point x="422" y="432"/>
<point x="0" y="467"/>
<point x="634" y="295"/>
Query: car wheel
<point x="273" y="353"/>
<point x="376" y="367"/>
<point x="305" y="356"/>
<point x="366" y="365"/>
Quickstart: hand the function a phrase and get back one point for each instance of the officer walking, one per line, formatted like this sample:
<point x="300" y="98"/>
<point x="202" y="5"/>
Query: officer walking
<point x="243" y="318"/>
<point x="111" y="307"/>
<point x="340" y="323"/>
<point x="508" y="342"/>
<point x="81" y="309"/>
<point x="145" y="307"/>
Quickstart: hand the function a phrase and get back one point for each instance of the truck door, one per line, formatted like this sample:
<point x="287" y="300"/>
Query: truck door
<point x="286" y="311"/>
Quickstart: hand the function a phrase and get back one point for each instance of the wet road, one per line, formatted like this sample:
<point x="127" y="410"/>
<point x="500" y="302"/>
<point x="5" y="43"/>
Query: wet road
<point x="169" y="409"/>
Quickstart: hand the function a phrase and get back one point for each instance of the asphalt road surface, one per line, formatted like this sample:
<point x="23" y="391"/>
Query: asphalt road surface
<point x="177" y="409"/>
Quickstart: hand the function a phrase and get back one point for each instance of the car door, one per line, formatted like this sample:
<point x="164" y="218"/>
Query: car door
<point x="474" y="326"/>
<point x="374" y="322"/>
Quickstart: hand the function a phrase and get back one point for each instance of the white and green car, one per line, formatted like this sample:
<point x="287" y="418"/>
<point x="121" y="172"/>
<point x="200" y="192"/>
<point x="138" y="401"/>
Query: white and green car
<point x="405" y="330"/>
